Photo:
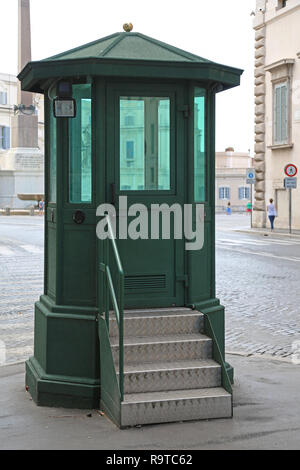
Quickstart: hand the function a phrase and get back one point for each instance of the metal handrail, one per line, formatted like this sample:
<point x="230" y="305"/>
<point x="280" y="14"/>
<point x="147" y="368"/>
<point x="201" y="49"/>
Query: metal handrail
<point x="117" y="299"/>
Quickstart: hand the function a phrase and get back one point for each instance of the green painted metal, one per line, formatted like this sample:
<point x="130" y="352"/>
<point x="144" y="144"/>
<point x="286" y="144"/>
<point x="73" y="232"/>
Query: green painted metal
<point x="134" y="46"/>
<point x="217" y="355"/>
<point x="127" y="54"/>
<point x="82" y="275"/>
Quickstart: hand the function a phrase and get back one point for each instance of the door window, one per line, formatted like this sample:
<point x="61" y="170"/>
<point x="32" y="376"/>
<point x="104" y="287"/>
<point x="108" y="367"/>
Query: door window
<point x="144" y="143"/>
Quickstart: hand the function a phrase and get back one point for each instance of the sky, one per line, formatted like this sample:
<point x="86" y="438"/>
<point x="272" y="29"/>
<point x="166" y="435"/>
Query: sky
<point x="215" y="29"/>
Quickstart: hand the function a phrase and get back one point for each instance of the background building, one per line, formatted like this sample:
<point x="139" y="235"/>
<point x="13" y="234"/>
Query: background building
<point x="277" y="106"/>
<point x="8" y="99"/>
<point x="231" y="184"/>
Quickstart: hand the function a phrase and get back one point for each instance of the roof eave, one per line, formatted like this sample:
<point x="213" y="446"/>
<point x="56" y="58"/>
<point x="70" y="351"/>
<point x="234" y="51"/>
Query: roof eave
<point x="34" y="73"/>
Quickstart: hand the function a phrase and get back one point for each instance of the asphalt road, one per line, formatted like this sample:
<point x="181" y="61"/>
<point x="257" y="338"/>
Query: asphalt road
<point x="257" y="282"/>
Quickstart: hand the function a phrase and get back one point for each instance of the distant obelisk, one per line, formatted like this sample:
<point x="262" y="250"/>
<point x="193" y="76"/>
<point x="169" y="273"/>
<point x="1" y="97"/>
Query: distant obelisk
<point x="25" y="123"/>
<point x="22" y="167"/>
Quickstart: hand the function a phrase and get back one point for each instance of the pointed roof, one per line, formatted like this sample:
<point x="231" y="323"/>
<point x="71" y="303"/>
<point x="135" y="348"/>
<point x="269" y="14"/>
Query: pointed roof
<point x="128" y="55"/>
<point x="134" y="46"/>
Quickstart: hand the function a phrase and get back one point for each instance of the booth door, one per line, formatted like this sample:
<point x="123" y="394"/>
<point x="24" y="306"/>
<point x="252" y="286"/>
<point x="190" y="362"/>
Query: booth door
<point x="145" y="163"/>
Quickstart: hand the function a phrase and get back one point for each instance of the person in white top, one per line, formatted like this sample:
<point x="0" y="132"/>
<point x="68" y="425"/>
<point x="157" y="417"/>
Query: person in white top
<point x="272" y="213"/>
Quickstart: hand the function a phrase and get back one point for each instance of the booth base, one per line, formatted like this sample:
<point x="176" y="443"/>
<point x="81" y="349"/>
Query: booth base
<point x="54" y="392"/>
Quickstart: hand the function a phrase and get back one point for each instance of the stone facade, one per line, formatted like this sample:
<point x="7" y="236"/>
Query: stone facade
<point x="277" y="53"/>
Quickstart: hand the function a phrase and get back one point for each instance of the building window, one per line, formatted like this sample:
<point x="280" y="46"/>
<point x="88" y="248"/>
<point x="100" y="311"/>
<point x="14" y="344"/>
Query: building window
<point x="4" y="137"/>
<point x="244" y="192"/>
<point x="281" y="4"/>
<point x="281" y="113"/>
<point x="129" y="150"/>
<point x="129" y="120"/>
<point x="224" y="192"/>
<point x="3" y="97"/>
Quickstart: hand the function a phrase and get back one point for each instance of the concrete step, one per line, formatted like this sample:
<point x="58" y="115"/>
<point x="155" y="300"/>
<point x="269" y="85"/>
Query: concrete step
<point x="163" y="348"/>
<point x="158" y="322"/>
<point x="177" y="405"/>
<point x="166" y="376"/>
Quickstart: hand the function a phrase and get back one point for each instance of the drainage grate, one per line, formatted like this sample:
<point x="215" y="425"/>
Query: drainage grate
<point x="145" y="282"/>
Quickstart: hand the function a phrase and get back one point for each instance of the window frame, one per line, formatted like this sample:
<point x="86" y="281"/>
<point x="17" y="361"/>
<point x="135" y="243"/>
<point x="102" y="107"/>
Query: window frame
<point x="3" y="93"/>
<point x="5" y="139"/>
<point x="224" y="188"/>
<point x="245" y="189"/>
<point x="279" y="86"/>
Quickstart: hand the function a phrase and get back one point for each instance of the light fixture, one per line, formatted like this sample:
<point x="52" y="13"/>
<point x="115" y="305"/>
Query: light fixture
<point x="64" y="106"/>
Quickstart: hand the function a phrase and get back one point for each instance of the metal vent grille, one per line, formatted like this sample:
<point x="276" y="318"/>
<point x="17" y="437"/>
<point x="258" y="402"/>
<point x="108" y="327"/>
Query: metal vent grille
<point x="145" y="282"/>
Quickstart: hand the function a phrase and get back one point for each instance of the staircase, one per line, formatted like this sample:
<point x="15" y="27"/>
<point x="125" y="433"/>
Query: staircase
<point x="169" y="373"/>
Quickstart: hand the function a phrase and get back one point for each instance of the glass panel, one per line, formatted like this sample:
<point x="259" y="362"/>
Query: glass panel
<point x="144" y="143"/>
<point x="52" y="157"/>
<point x="199" y="145"/>
<point x="80" y="147"/>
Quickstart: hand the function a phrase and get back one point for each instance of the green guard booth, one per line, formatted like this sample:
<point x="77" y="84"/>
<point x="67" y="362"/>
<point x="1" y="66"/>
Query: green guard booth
<point x="145" y="129"/>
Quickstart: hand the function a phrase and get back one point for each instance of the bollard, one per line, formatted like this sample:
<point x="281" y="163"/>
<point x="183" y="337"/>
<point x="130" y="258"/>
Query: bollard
<point x="7" y="210"/>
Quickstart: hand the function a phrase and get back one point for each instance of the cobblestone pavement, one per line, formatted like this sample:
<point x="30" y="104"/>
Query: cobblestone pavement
<point x="21" y="284"/>
<point x="257" y="282"/>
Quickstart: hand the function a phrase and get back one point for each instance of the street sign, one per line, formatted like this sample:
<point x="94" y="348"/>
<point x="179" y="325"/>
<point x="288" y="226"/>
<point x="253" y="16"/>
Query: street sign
<point x="250" y="176"/>
<point x="291" y="170"/>
<point x="290" y="183"/>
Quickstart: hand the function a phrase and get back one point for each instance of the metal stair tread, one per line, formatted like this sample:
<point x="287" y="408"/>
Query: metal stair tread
<point x="174" y="395"/>
<point x="138" y="317"/>
<point x="181" y="338"/>
<point x="172" y="365"/>
<point x="164" y="312"/>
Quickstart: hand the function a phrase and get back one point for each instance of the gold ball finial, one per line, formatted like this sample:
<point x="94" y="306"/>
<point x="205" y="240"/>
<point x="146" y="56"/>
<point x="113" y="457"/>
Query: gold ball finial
<point x="128" y="27"/>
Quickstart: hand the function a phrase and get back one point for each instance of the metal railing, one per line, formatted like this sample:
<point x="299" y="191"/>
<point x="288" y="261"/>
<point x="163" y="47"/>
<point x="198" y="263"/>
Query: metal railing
<point x="114" y="295"/>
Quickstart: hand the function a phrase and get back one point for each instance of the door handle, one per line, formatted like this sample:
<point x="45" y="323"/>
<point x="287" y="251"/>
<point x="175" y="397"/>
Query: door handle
<point x="113" y="193"/>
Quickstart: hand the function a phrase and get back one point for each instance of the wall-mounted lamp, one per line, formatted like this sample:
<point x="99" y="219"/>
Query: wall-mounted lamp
<point x="64" y="106"/>
<point x="27" y="110"/>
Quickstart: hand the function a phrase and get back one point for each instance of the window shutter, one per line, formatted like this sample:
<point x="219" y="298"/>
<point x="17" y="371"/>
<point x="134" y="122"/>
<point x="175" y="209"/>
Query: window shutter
<point x="277" y="113"/>
<point x="240" y="193"/>
<point x="6" y="137"/>
<point x="221" y="193"/>
<point x="281" y="113"/>
<point x="284" y="130"/>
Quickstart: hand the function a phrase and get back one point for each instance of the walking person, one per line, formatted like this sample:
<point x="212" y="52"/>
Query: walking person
<point x="41" y="207"/>
<point x="249" y="208"/>
<point x="272" y="213"/>
<point x="228" y="210"/>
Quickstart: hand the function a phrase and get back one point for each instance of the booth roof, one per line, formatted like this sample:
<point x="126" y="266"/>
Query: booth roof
<point x="134" y="46"/>
<point x="126" y="55"/>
